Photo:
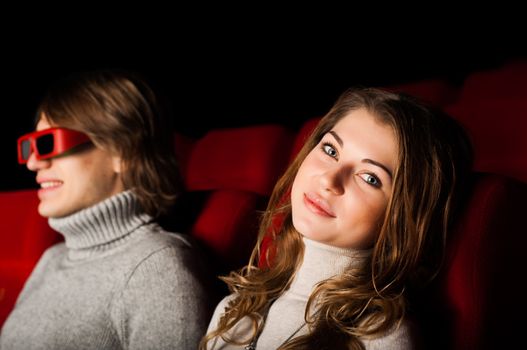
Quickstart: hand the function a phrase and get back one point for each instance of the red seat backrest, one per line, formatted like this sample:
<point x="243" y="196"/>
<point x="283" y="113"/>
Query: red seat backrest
<point x="498" y="130"/>
<point x="239" y="168"/>
<point x="24" y="236"/>
<point x="437" y="92"/>
<point x="476" y="302"/>
<point x="507" y="81"/>
<point x="303" y="134"/>
<point x="183" y="146"/>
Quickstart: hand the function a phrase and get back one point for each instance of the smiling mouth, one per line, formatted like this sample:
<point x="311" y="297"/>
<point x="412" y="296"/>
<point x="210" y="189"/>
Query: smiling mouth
<point x="316" y="207"/>
<point x="50" y="184"/>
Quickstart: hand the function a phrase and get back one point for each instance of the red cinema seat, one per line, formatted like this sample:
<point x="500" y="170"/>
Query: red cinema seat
<point x="24" y="235"/>
<point x="303" y="134"/>
<point x="498" y="130"/>
<point x="507" y="81"/>
<point x="477" y="301"/>
<point x="437" y="92"/>
<point x="183" y="146"/>
<point x="237" y="168"/>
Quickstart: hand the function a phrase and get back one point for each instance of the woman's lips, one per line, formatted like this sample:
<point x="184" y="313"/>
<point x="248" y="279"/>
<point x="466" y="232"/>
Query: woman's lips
<point x="318" y="205"/>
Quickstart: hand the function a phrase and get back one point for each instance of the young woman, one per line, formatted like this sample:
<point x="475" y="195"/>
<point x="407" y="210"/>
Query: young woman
<point x="353" y="223"/>
<point x="106" y="170"/>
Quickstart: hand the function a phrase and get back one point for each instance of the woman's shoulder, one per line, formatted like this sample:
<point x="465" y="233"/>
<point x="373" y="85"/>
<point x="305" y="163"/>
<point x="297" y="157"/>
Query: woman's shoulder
<point x="220" y="310"/>
<point x="224" y="303"/>
<point x="402" y="336"/>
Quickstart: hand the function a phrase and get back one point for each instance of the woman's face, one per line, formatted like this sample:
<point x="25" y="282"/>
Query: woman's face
<point x="342" y="188"/>
<point x="75" y="181"/>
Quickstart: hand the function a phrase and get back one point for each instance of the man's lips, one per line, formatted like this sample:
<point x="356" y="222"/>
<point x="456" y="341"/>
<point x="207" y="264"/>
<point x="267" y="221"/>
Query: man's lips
<point x="48" y="184"/>
<point x="318" y="205"/>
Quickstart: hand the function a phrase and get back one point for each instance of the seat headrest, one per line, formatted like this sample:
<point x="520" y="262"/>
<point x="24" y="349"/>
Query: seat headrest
<point x="305" y="131"/>
<point x="497" y="128"/>
<point x="437" y="92"/>
<point x="487" y="255"/>
<point x="247" y="158"/>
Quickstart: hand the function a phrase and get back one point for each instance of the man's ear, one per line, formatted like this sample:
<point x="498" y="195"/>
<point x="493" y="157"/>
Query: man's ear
<point x="117" y="164"/>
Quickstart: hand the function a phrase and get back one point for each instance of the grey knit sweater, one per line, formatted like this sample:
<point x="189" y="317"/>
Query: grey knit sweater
<point x="285" y="319"/>
<point x="117" y="282"/>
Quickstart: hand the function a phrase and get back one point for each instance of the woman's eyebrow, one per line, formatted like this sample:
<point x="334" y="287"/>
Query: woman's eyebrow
<point x="366" y="160"/>
<point x="380" y="165"/>
<point x="337" y="137"/>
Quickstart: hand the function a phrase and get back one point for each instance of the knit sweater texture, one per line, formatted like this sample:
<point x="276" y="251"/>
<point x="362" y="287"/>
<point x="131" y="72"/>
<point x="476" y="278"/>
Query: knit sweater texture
<point x="286" y="317"/>
<point x="118" y="281"/>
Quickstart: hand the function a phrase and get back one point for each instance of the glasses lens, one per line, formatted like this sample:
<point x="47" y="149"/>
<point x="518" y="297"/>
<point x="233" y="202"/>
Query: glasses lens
<point x="45" y="144"/>
<point x="25" y="148"/>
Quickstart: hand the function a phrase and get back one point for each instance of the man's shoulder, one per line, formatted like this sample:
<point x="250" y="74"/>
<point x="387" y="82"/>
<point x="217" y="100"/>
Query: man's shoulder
<point x="54" y="252"/>
<point x="158" y="244"/>
<point x="156" y="238"/>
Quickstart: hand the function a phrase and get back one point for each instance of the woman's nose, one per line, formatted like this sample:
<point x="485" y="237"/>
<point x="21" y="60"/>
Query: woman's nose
<point x="332" y="181"/>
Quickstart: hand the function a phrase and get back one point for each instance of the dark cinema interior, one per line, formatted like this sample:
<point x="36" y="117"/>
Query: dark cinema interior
<point x="222" y="96"/>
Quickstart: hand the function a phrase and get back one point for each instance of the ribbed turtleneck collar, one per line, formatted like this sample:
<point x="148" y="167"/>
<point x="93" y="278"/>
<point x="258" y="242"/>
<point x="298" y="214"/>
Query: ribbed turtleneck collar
<point x="99" y="226"/>
<point x="322" y="261"/>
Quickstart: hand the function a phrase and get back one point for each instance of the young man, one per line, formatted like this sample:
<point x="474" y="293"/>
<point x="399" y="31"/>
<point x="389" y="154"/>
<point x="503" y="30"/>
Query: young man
<point x="106" y="170"/>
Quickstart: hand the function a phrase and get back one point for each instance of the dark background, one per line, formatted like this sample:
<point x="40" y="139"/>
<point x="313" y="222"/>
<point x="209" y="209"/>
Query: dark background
<point x="228" y="77"/>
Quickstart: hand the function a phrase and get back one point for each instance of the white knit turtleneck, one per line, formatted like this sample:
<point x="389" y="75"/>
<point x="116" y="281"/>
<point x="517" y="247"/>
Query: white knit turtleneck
<point x="286" y="315"/>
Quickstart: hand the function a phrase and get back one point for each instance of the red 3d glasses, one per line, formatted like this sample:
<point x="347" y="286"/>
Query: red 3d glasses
<point x="49" y="143"/>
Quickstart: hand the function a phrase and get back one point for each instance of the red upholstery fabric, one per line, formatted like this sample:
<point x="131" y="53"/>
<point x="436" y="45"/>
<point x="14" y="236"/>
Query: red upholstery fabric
<point x="24" y="235"/>
<point x="305" y="131"/>
<point x="248" y="159"/>
<point x="508" y="81"/>
<point x="239" y="167"/>
<point x="478" y="301"/>
<point x="183" y="146"/>
<point x="498" y="129"/>
<point x="228" y="224"/>
<point x="434" y="91"/>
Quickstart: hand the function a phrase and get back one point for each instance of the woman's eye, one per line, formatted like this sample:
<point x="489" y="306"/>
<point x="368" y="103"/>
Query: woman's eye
<point x="371" y="179"/>
<point x="329" y="150"/>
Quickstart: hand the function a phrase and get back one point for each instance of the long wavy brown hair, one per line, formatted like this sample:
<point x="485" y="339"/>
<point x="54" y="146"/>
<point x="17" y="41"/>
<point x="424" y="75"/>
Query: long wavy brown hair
<point x="120" y="113"/>
<point x="433" y="162"/>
